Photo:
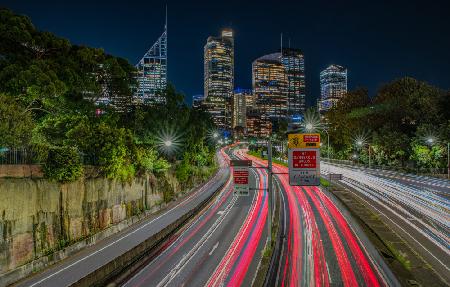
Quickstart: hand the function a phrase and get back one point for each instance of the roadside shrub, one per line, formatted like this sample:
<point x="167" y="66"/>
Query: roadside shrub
<point x="63" y="164"/>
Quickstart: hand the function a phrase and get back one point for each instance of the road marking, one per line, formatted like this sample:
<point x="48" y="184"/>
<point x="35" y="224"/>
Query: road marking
<point x="121" y="238"/>
<point x="214" y="248"/>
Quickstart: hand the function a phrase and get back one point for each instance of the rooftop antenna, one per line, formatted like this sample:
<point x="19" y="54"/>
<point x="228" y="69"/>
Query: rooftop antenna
<point x="281" y="50"/>
<point x="165" y="26"/>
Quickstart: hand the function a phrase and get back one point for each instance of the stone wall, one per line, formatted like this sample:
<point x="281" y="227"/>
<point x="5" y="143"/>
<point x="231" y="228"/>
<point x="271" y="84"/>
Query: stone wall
<point x="38" y="217"/>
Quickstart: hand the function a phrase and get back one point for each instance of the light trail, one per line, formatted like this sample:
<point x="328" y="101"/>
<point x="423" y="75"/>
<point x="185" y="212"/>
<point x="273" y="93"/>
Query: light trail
<point x="427" y="212"/>
<point x="315" y="220"/>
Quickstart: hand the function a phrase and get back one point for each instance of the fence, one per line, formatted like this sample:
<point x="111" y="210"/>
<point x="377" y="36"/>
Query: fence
<point x="18" y="156"/>
<point x="28" y="156"/>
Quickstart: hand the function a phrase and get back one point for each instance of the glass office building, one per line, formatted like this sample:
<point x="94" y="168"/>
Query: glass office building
<point x="219" y="78"/>
<point x="239" y="110"/>
<point x="333" y="86"/>
<point x="152" y="73"/>
<point x="294" y="64"/>
<point x="270" y="86"/>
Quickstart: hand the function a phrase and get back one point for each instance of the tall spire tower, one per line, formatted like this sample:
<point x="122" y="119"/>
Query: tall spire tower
<point x="152" y="72"/>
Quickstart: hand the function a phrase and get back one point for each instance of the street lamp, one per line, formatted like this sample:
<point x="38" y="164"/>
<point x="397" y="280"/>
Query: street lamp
<point x="430" y="140"/>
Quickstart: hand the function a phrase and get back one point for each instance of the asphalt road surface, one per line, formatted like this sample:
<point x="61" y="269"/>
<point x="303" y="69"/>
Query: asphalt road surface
<point x="323" y="246"/>
<point x="416" y="207"/>
<point x="221" y="247"/>
<point x="70" y="270"/>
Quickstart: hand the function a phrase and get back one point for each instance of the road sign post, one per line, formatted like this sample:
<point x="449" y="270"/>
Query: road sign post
<point x="304" y="159"/>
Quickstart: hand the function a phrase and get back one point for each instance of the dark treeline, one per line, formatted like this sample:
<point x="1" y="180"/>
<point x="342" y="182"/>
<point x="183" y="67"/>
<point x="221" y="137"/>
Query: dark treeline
<point x="406" y="124"/>
<point x="48" y="88"/>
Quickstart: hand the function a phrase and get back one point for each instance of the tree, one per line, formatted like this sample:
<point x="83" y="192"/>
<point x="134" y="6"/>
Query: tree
<point x="16" y="123"/>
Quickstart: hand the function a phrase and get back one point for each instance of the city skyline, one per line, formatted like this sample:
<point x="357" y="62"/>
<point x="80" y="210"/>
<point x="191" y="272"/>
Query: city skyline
<point x="329" y="39"/>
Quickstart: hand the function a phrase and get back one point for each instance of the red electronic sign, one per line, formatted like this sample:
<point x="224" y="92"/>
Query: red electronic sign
<point x="240" y="176"/>
<point x="304" y="159"/>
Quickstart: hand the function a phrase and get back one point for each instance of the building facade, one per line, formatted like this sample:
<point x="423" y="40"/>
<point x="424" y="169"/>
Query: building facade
<point x="219" y="78"/>
<point x="197" y="101"/>
<point x="258" y="125"/>
<point x="333" y="86"/>
<point x="294" y="65"/>
<point x="270" y="86"/>
<point x="152" y="73"/>
<point x="239" y="109"/>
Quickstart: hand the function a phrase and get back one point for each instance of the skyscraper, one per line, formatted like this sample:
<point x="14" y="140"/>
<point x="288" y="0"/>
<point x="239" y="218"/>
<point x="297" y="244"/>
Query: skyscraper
<point x="239" y="109"/>
<point x="270" y="86"/>
<point x="219" y="77"/>
<point x="294" y="65"/>
<point x="333" y="86"/>
<point x="152" y="72"/>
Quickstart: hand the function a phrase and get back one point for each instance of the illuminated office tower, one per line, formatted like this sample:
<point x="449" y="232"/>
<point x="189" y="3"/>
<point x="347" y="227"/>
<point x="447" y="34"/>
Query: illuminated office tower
<point x="219" y="78"/>
<point x="294" y="65"/>
<point x="333" y="86"/>
<point x="270" y="86"/>
<point x="152" y="73"/>
<point x="239" y="110"/>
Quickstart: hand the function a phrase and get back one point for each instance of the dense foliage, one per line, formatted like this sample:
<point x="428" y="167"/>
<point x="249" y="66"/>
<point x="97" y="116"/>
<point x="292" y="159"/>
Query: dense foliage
<point x="48" y="91"/>
<point x="406" y="124"/>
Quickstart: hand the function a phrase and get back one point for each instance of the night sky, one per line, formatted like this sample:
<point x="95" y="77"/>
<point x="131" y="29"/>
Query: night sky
<point x="377" y="42"/>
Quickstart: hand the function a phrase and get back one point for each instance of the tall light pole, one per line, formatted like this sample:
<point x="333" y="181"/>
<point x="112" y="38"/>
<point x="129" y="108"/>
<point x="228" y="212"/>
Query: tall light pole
<point x="360" y="143"/>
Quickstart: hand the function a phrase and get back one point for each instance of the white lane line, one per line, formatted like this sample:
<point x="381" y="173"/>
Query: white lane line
<point x="188" y="257"/>
<point x="214" y="248"/>
<point x="112" y="243"/>
<point x="398" y="226"/>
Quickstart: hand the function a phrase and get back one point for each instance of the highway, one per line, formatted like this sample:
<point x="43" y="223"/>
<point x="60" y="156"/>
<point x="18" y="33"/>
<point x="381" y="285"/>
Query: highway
<point x="77" y="266"/>
<point x="221" y="247"/>
<point x="416" y="207"/>
<point x="322" y="244"/>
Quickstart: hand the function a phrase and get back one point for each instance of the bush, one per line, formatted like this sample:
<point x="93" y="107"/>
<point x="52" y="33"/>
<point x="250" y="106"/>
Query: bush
<point x="63" y="164"/>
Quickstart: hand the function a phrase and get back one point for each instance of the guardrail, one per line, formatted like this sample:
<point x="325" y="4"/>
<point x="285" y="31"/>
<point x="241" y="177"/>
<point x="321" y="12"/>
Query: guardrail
<point x="437" y="172"/>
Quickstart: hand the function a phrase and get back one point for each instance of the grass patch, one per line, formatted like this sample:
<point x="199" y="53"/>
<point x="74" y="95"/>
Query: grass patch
<point x="400" y="256"/>
<point x="324" y="182"/>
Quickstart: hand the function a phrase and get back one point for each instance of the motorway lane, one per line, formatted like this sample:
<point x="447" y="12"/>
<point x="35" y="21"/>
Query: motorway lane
<point x="77" y="266"/>
<point x="417" y="208"/>
<point x="323" y="246"/>
<point x="222" y="246"/>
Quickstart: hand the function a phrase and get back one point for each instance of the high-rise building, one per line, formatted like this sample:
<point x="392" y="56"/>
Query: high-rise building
<point x="258" y="125"/>
<point x="219" y="77"/>
<point x="239" y="109"/>
<point x="270" y="86"/>
<point x="333" y="86"/>
<point x="294" y="65"/>
<point x="152" y="73"/>
<point x="197" y="101"/>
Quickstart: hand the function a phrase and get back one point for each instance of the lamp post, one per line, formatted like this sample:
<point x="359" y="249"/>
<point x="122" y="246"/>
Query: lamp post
<point x="430" y="141"/>
<point x="360" y="143"/>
